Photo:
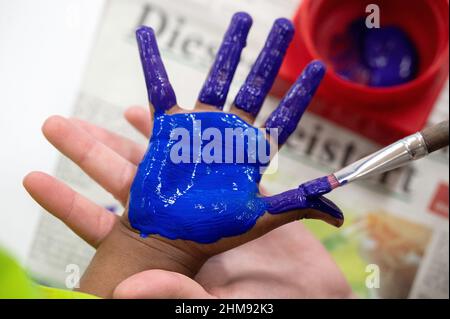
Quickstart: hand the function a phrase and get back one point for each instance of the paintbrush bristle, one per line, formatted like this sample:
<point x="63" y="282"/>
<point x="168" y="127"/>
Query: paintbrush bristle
<point x="319" y="186"/>
<point x="333" y="181"/>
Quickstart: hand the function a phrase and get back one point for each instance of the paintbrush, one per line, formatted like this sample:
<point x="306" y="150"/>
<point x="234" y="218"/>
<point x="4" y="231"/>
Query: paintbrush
<point x="404" y="151"/>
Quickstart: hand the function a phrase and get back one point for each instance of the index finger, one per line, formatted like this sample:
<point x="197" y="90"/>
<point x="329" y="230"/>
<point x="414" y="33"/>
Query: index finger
<point x="287" y="115"/>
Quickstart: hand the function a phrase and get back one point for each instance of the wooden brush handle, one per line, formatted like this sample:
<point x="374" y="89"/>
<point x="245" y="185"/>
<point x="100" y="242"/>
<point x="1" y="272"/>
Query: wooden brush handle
<point x="436" y="137"/>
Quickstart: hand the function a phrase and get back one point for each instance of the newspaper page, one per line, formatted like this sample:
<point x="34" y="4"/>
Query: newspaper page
<point x="396" y="227"/>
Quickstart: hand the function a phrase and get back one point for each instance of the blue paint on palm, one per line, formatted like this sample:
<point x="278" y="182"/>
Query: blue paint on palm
<point x="185" y="197"/>
<point x="196" y="200"/>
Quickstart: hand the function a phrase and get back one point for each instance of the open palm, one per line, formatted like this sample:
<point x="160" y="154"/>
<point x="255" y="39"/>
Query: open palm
<point x="201" y="199"/>
<point x="287" y="262"/>
<point x="122" y="251"/>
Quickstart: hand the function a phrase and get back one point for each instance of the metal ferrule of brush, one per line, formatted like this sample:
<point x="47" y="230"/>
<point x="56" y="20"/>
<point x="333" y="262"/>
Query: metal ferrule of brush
<point x="395" y="155"/>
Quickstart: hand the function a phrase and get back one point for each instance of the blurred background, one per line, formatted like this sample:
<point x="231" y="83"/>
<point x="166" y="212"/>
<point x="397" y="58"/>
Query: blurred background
<point x="387" y="77"/>
<point x="44" y="50"/>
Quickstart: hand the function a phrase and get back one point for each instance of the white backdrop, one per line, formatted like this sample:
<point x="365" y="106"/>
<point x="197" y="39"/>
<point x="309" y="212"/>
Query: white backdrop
<point x="43" y="50"/>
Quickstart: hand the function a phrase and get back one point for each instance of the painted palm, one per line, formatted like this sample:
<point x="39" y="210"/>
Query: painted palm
<point x="199" y="179"/>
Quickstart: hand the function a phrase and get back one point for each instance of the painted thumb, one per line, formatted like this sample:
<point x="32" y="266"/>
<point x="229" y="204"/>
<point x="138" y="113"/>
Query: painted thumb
<point x="309" y="207"/>
<point x="324" y="209"/>
<point x="160" y="284"/>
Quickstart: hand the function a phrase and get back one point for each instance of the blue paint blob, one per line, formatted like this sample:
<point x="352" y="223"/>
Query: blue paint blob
<point x="378" y="57"/>
<point x="262" y="75"/>
<point x="217" y="84"/>
<point x="195" y="200"/>
<point x="390" y="55"/>
<point x="288" y="114"/>
<point x="183" y="196"/>
<point x="159" y="89"/>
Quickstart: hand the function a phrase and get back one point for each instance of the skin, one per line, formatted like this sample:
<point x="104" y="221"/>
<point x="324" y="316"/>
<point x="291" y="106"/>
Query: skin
<point x="288" y="262"/>
<point x="122" y="255"/>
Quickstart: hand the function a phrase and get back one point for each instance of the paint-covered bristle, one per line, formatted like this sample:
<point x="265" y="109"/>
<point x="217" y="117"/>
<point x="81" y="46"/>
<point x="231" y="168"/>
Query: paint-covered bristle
<point x="316" y="187"/>
<point x="333" y="181"/>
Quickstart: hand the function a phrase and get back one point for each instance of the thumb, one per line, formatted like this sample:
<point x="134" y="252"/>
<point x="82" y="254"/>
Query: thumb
<point x="324" y="209"/>
<point x="310" y="207"/>
<point x="160" y="284"/>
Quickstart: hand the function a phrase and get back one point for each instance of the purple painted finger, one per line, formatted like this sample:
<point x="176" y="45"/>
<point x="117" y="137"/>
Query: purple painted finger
<point x="262" y="75"/>
<point x="215" y="89"/>
<point x="303" y="198"/>
<point x="160" y="92"/>
<point x="287" y="115"/>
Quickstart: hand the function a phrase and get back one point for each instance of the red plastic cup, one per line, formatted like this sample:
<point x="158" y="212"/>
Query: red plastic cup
<point x="382" y="114"/>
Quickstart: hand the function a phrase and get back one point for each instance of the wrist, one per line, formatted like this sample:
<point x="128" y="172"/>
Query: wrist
<point x="124" y="253"/>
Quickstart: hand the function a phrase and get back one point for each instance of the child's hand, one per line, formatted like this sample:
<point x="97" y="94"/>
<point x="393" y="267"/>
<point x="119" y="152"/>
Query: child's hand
<point x="194" y="212"/>
<point x="267" y="267"/>
<point x="197" y="182"/>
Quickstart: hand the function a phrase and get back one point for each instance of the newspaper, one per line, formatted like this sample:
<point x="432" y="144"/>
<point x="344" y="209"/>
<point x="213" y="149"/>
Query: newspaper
<point x="396" y="225"/>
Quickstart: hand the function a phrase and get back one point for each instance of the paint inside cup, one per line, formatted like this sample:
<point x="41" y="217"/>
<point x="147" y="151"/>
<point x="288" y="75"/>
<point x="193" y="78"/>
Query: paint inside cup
<point x="377" y="57"/>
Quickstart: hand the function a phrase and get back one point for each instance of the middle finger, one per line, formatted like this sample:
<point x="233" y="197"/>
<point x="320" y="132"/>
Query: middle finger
<point x="259" y="81"/>
<point x="215" y="89"/>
